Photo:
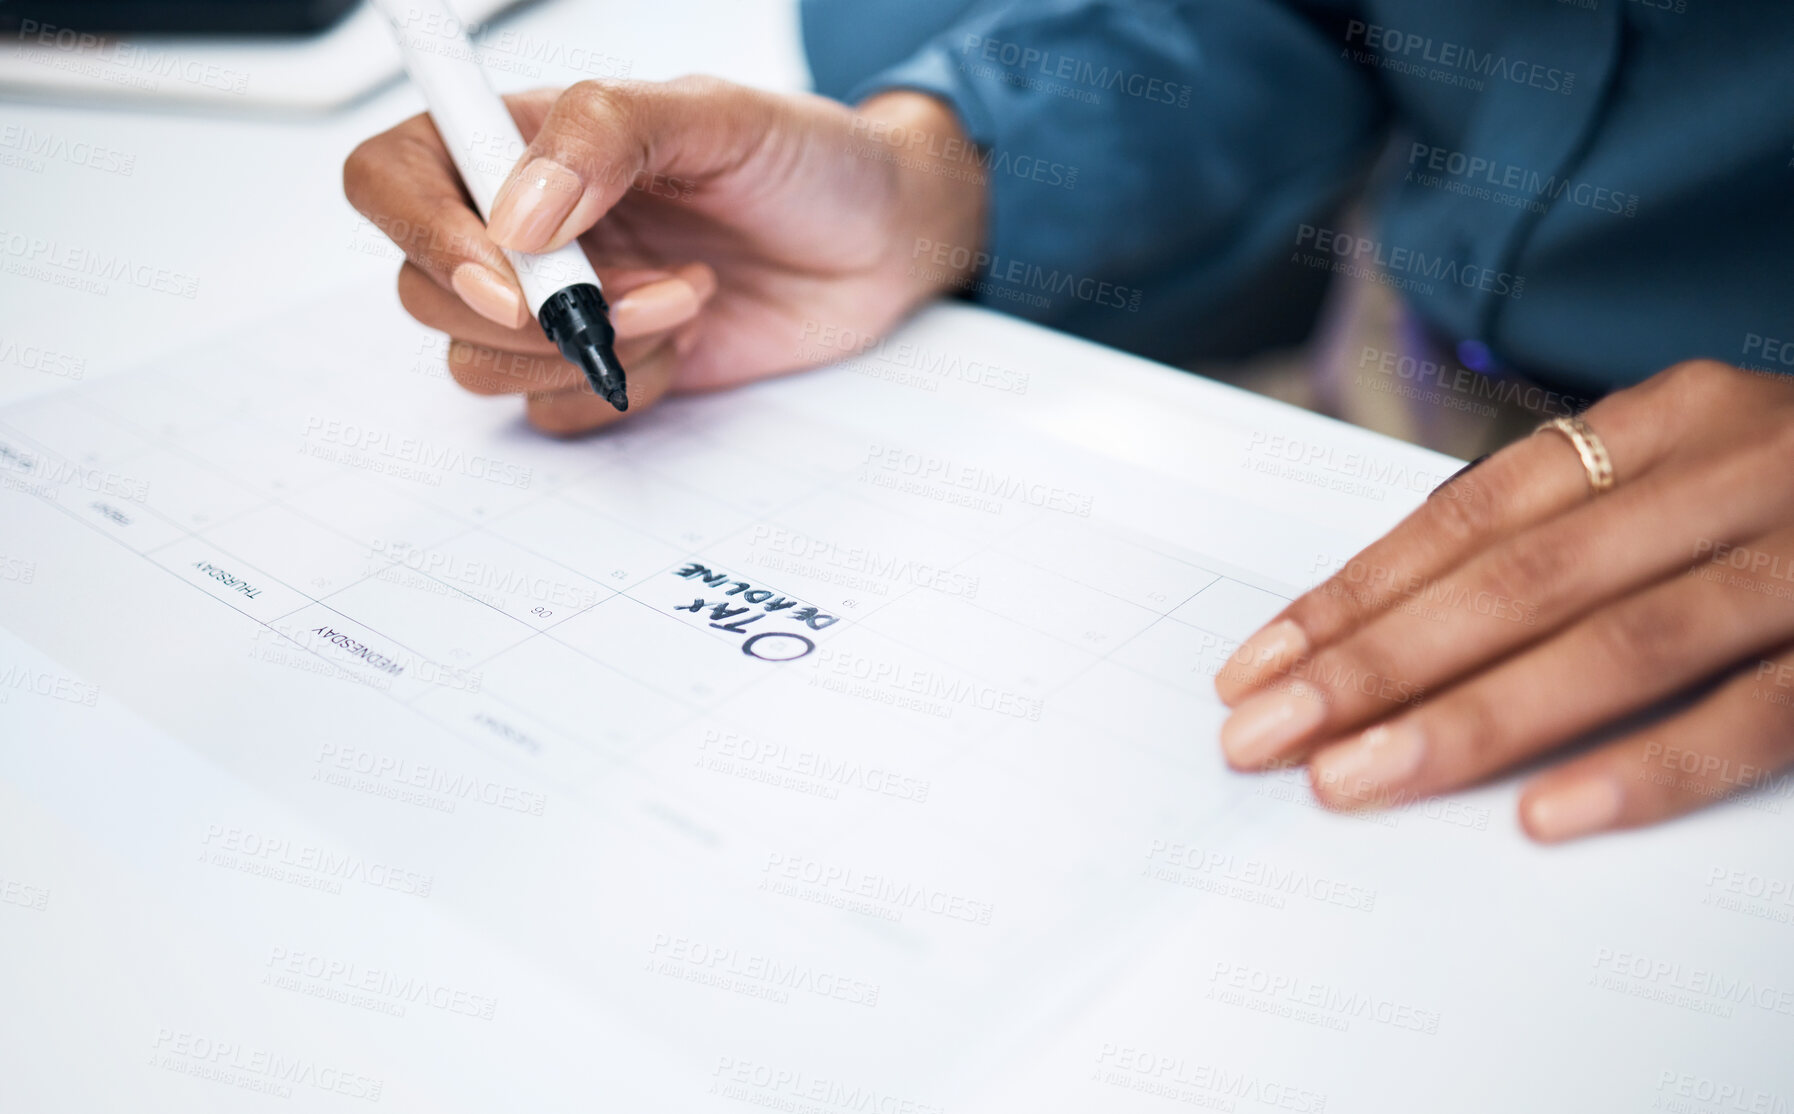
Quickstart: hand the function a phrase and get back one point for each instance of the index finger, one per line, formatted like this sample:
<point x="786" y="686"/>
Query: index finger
<point x="405" y="184"/>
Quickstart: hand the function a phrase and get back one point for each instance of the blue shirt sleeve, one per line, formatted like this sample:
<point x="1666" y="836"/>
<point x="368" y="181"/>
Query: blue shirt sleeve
<point x="1146" y="159"/>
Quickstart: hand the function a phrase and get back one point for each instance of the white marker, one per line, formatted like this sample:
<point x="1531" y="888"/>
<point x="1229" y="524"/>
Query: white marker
<point x="561" y="288"/>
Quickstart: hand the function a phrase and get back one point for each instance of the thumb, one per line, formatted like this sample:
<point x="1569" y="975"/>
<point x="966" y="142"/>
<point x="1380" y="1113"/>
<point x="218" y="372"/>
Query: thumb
<point x="601" y="136"/>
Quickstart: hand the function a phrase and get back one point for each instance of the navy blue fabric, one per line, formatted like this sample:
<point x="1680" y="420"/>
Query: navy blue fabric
<point x="1591" y="194"/>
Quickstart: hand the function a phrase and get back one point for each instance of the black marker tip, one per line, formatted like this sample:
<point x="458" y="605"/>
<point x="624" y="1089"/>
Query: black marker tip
<point x="578" y="322"/>
<point x="605" y="374"/>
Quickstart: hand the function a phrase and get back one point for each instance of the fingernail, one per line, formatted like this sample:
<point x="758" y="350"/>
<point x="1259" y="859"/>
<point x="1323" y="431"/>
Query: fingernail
<point x="487" y="295"/>
<point x="1583" y="807"/>
<point x="532" y="204"/>
<point x="1260" y="656"/>
<point x="656" y="306"/>
<point x="1270" y="723"/>
<point x="1368" y="767"/>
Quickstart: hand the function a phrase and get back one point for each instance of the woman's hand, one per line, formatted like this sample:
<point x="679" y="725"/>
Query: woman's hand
<point x="1517" y="611"/>
<point x="738" y="233"/>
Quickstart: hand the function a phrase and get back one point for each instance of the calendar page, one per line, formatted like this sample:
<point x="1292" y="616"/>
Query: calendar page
<point x="842" y="743"/>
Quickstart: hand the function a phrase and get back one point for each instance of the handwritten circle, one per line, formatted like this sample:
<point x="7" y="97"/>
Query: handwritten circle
<point x="748" y="646"/>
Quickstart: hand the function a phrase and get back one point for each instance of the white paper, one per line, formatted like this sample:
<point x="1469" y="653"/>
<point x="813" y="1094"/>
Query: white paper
<point x="357" y="752"/>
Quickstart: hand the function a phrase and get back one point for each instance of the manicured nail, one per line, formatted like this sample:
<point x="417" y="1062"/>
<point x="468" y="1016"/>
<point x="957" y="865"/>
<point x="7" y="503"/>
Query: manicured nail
<point x="532" y="204"/>
<point x="1270" y="723"/>
<point x="654" y="307"/>
<point x="1259" y="658"/>
<point x="1583" y="807"/>
<point x="487" y="295"/>
<point x="1367" y="768"/>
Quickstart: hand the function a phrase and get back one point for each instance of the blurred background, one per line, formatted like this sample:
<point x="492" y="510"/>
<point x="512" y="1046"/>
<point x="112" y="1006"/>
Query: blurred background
<point x="190" y="152"/>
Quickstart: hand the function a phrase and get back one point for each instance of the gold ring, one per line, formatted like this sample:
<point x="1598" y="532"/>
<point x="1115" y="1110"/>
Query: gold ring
<point x="1589" y="447"/>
